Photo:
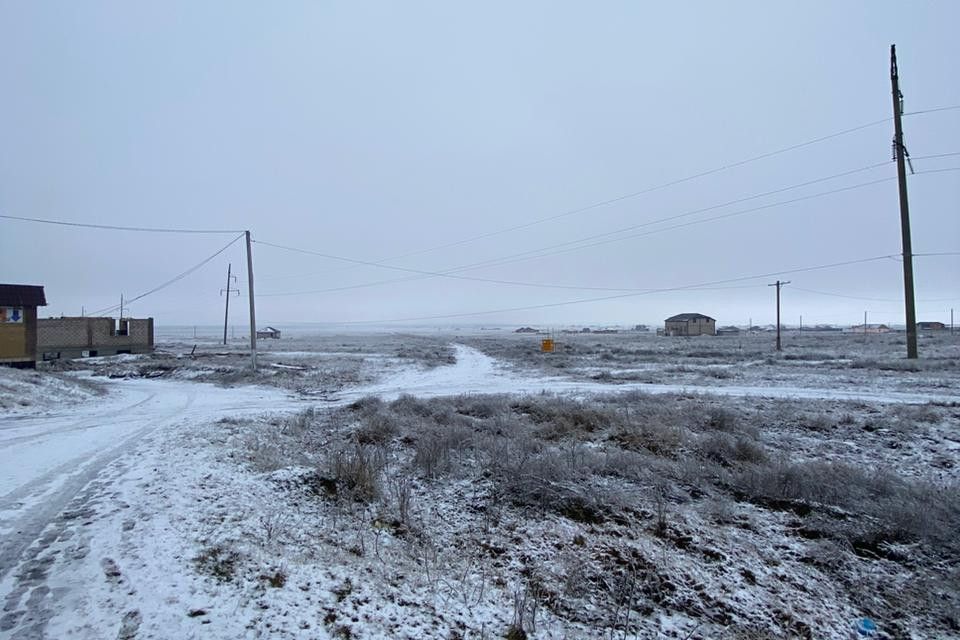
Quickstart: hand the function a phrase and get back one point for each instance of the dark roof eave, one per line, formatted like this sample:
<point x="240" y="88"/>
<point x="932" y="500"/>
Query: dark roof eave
<point x="22" y="295"/>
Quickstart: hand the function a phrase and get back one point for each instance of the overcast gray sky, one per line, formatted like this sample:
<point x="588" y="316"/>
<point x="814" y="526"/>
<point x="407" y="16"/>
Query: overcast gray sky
<point x="373" y="130"/>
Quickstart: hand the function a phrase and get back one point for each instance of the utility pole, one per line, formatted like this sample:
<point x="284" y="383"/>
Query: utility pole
<point x="951" y="320"/>
<point x="778" y="284"/>
<point x="226" y="311"/>
<point x="900" y="153"/>
<point x="253" y="311"/>
<point x="121" y="306"/>
<point x="801" y="324"/>
<point x="864" y="323"/>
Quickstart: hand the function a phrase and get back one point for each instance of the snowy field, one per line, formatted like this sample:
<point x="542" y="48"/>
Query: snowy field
<point x="441" y="485"/>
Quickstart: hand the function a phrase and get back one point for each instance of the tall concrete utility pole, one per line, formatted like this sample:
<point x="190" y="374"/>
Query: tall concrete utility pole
<point x="778" y="284"/>
<point x="227" y="291"/>
<point x="253" y="310"/>
<point x="900" y="154"/>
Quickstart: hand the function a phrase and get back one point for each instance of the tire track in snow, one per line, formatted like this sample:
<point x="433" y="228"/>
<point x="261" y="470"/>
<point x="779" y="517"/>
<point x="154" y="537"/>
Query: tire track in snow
<point x="29" y="603"/>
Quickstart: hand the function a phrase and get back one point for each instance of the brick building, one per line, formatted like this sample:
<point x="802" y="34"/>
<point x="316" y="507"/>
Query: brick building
<point x="83" y="337"/>
<point x="18" y="324"/>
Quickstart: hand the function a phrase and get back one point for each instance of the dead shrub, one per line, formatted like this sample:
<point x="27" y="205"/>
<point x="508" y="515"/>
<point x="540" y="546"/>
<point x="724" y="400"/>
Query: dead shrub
<point x="550" y="481"/>
<point x="650" y="435"/>
<point x="721" y="419"/>
<point x="728" y="450"/>
<point x="435" y="448"/>
<point x="357" y="472"/>
<point x="377" y="428"/>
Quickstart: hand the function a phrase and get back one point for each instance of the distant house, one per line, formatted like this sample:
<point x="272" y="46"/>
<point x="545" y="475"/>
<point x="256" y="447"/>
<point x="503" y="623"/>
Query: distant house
<point x="690" y="324"/>
<point x="269" y="332"/>
<point x="870" y="328"/>
<point x="728" y="330"/>
<point x="18" y="324"/>
<point x="931" y="326"/>
<point x="86" y="336"/>
<point x="527" y="330"/>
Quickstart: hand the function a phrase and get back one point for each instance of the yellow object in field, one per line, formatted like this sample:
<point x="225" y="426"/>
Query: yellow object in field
<point x="546" y="345"/>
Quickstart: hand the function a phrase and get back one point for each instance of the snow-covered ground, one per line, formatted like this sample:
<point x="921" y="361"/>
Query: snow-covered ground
<point x="168" y="508"/>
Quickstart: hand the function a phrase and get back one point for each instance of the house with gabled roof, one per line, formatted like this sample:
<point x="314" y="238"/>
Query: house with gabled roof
<point x="690" y="324"/>
<point x="269" y="332"/>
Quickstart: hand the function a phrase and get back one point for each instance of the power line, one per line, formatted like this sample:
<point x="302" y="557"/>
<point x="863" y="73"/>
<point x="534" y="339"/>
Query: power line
<point x="430" y="274"/>
<point x="537" y="253"/>
<point x="381" y="263"/>
<point x="935" y="110"/>
<point x="635" y="194"/>
<point x="580" y="243"/>
<point x="169" y="282"/>
<point x="625" y="295"/>
<point x="841" y="295"/>
<point x="115" y="227"/>
<point x="526" y="255"/>
<point x="658" y="187"/>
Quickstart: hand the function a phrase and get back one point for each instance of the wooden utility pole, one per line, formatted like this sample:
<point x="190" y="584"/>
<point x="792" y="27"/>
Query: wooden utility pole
<point x="227" y="291"/>
<point x="253" y="310"/>
<point x="900" y="155"/>
<point x="778" y="284"/>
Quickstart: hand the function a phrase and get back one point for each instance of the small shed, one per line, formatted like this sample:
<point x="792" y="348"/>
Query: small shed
<point x="18" y="324"/>
<point x="269" y="332"/>
<point x="690" y="324"/>
<point x="931" y="326"/>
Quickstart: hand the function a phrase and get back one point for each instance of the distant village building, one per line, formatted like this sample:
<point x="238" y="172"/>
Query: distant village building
<point x="18" y="324"/>
<point x="931" y="326"/>
<point x="690" y="324"/>
<point x="527" y="330"/>
<point x="73" y="337"/>
<point x="870" y="328"/>
<point x="269" y="332"/>
<point x="728" y="330"/>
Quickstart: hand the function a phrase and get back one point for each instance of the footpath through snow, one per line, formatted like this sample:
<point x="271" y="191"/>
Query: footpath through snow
<point x="477" y="373"/>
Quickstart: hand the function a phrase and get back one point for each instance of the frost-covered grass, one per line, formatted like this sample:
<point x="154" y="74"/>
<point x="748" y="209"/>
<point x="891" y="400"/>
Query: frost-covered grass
<point x="625" y="514"/>
<point x="314" y="365"/>
<point x="810" y="359"/>
<point x="27" y="390"/>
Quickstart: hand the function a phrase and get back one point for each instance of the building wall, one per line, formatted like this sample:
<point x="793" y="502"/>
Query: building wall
<point x="18" y="340"/>
<point x="697" y="327"/>
<point x="78" y="337"/>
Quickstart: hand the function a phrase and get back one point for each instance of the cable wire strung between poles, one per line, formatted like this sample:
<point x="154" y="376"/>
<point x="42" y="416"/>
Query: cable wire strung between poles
<point x="537" y="253"/>
<point x="579" y="244"/>
<point x="526" y="255"/>
<point x="111" y="227"/>
<point x="708" y="208"/>
<point x="661" y="186"/>
<point x="635" y="193"/>
<point x="626" y="295"/>
<point x="934" y="110"/>
<point x="169" y="282"/>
